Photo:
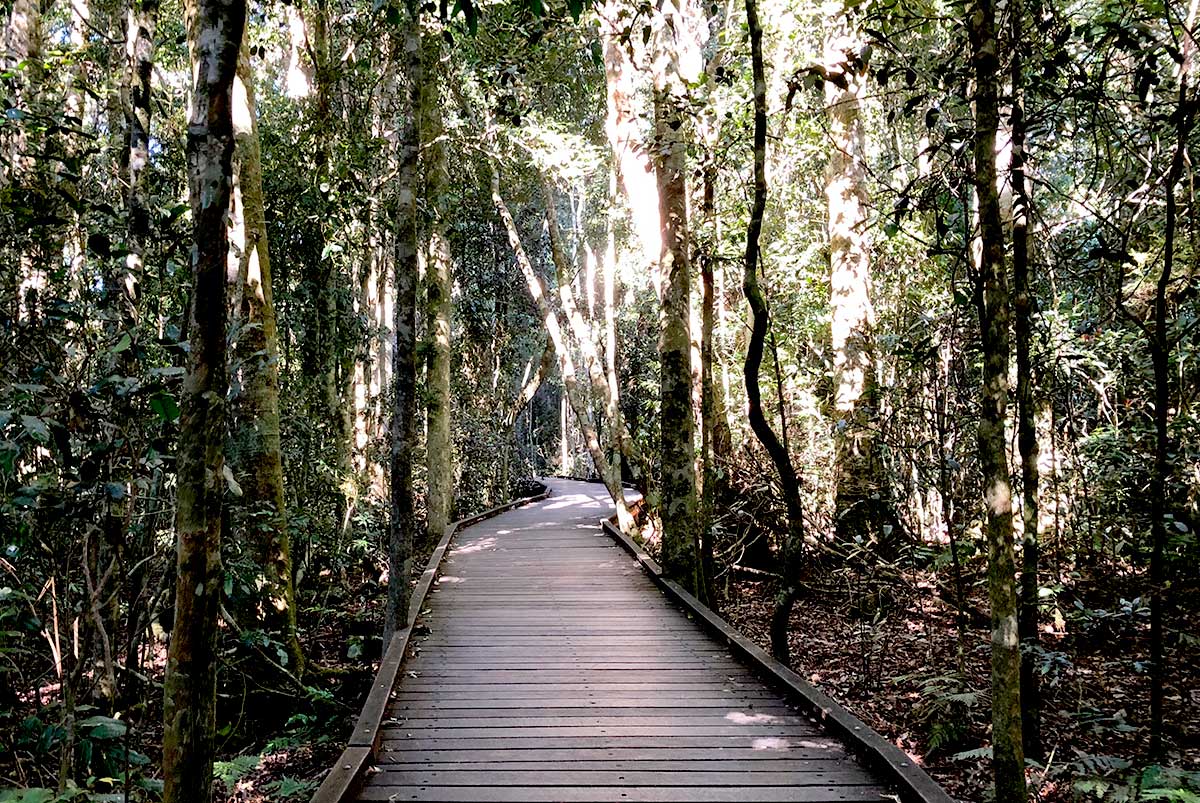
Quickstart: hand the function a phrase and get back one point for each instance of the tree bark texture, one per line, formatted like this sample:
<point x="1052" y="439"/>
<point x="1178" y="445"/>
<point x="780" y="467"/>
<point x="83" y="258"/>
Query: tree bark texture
<point x="680" y="550"/>
<point x="439" y="444"/>
<point x="189" y="689"/>
<point x="406" y="48"/>
<point x="992" y="302"/>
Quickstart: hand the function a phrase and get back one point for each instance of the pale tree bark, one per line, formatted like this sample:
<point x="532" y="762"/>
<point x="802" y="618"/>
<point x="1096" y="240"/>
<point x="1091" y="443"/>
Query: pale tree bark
<point x="992" y="302"/>
<point x="862" y="509"/>
<point x="574" y="391"/>
<point x="1027" y="443"/>
<point x="22" y="51"/>
<point x="633" y="163"/>
<point x="439" y="444"/>
<point x="141" y="23"/>
<point x="406" y="47"/>
<point x="256" y="449"/>
<point x="189" y="689"/>
<point x="677" y="61"/>
<point x="789" y="480"/>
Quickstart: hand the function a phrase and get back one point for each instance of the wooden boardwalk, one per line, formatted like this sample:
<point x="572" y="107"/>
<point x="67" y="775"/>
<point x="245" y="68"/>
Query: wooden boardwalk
<point x="554" y="669"/>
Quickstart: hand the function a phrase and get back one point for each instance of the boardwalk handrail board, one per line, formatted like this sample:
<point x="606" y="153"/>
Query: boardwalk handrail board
<point x="914" y="784"/>
<point x="344" y="780"/>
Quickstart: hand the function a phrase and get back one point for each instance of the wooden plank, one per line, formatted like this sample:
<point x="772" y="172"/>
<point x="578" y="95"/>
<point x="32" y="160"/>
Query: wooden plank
<point x="455" y="740"/>
<point x="481" y="728"/>
<point x="548" y="715"/>
<point x="628" y="794"/>
<point x="649" y="700"/>
<point x="915" y="784"/>
<point x="621" y="778"/>
<point x="646" y="757"/>
<point x="695" y="764"/>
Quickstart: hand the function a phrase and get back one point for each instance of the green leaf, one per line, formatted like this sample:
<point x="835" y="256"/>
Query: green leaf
<point x="125" y="342"/>
<point x="164" y="404"/>
<point x="99" y="727"/>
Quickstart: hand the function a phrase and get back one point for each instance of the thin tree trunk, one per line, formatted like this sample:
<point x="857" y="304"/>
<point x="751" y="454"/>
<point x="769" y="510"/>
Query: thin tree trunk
<point x="992" y="302"/>
<point x="406" y="46"/>
<point x="257" y="449"/>
<point x="789" y="480"/>
<point x="1162" y="345"/>
<point x="1027" y="444"/>
<point x="189" y="690"/>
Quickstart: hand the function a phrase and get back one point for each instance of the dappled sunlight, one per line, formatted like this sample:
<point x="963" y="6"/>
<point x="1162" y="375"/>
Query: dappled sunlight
<point x="771" y="743"/>
<point x="478" y="545"/>
<point x="742" y="718"/>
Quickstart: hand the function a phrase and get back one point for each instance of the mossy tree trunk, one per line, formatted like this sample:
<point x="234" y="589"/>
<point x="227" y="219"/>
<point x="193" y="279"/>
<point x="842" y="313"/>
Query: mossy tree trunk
<point x="189" y="690"/>
<point x="992" y="303"/>
<point x="439" y="444"/>
<point x="256" y="453"/>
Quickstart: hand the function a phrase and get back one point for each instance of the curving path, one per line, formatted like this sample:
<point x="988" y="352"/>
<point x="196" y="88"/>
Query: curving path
<point x="555" y="670"/>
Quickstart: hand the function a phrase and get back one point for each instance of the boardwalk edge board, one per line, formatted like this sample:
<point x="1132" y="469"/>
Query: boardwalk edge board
<point x="345" y="779"/>
<point x="914" y="784"/>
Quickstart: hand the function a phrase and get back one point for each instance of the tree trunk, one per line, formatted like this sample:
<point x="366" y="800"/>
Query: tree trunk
<point x="439" y="445"/>
<point x="407" y="46"/>
<point x="189" y="690"/>
<point x="789" y="481"/>
<point x="1027" y="444"/>
<point x="991" y="299"/>
<point x="257" y="452"/>
<point x="861" y="509"/>
<point x="1162" y="345"/>
<point x="680" y="550"/>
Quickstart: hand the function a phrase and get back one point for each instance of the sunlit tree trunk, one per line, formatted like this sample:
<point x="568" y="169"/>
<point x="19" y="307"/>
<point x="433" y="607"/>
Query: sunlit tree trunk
<point x="189" y="689"/>
<point x="634" y="166"/>
<point x="406" y="49"/>
<point x="789" y="480"/>
<point x="861" y="494"/>
<point x="439" y="445"/>
<point x="992" y="302"/>
<point x="256" y="450"/>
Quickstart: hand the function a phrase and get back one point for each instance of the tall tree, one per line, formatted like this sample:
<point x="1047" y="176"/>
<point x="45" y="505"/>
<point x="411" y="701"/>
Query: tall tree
<point x="677" y="456"/>
<point x="860" y="506"/>
<point x="406" y="48"/>
<point x="789" y="480"/>
<point x="439" y="445"/>
<point x="992" y="303"/>
<point x="189" y="690"/>
<point x="1027" y="443"/>
<point x="255" y="445"/>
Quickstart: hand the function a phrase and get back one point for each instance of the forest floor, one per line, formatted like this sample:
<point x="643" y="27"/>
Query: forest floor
<point x="903" y="668"/>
